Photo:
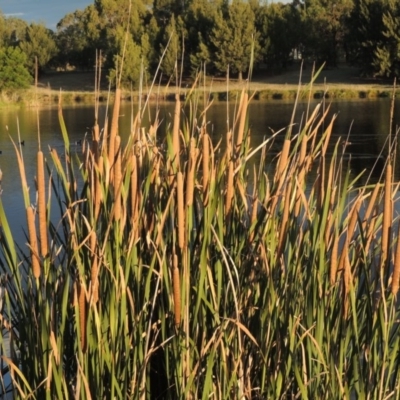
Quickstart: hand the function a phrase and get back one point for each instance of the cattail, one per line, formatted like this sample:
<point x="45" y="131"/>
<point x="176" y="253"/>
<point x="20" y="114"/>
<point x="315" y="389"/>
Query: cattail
<point x="117" y="179"/>
<point x="346" y="284"/>
<point x="94" y="271"/>
<point x="30" y="216"/>
<point x="334" y="256"/>
<point x="181" y="211"/>
<point x="387" y="215"/>
<point x="177" y="291"/>
<point x="242" y="121"/>
<point x="114" y="127"/>
<point x="175" y="134"/>
<point x="42" y="204"/>
<point x="134" y="183"/>
<point x="283" y="159"/>
<point x="190" y="175"/>
<point x="229" y="188"/>
<point x="206" y="165"/>
<point x="82" y="316"/>
<point x="371" y="204"/>
<point x="353" y="219"/>
<point x="396" y="268"/>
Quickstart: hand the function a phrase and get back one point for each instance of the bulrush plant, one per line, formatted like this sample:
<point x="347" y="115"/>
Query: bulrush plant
<point x="174" y="272"/>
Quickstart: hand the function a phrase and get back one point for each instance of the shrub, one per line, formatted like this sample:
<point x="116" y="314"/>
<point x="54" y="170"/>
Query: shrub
<point x="13" y="73"/>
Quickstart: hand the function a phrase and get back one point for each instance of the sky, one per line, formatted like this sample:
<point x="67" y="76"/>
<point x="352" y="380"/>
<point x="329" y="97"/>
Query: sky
<point x="48" y="11"/>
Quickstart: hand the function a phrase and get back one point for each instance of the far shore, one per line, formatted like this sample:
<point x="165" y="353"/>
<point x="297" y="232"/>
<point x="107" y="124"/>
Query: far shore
<point x="343" y="82"/>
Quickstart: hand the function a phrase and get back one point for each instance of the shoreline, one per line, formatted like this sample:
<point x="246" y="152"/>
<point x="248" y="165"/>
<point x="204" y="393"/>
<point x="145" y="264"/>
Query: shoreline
<point x="78" y="88"/>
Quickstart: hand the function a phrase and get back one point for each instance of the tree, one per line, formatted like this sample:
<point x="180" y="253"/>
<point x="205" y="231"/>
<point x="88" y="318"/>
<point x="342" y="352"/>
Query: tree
<point x="12" y="30"/>
<point x="325" y="29"/>
<point x="234" y="37"/>
<point x="272" y="20"/>
<point x="171" y="45"/>
<point x="13" y="73"/>
<point x="199" y="22"/>
<point x="38" y="44"/>
<point x="363" y="41"/>
<point x="75" y="40"/>
<point x="122" y="26"/>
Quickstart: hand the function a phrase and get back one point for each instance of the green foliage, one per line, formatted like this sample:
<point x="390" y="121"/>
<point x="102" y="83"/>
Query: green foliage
<point x="233" y="37"/>
<point x="271" y="21"/>
<point x="122" y="34"/>
<point x="12" y="30"/>
<point x="38" y="42"/>
<point x="325" y="29"/>
<point x="76" y="35"/>
<point x="171" y="45"/>
<point x="13" y="73"/>
<point x="376" y="50"/>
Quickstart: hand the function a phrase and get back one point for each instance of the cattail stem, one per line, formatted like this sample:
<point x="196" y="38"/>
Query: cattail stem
<point x="177" y="291"/>
<point x="117" y="179"/>
<point x="30" y="216"/>
<point x="190" y="176"/>
<point x="82" y="316"/>
<point x="181" y="211"/>
<point x="114" y="127"/>
<point x="387" y="215"/>
<point x="229" y="188"/>
<point x="206" y="165"/>
<point x="175" y="135"/>
<point x="42" y="205"/>
<point x="94" y="271"/>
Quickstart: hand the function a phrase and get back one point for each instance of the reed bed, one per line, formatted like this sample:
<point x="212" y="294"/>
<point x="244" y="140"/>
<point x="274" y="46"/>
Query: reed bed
<point x="180" y="271"/>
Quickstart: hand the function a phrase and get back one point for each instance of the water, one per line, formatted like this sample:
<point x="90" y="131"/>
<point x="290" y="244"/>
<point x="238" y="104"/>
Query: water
<point x="366" y="120"/>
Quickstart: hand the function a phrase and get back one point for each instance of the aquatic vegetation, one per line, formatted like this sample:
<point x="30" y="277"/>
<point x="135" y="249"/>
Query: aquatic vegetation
<point x="181" y="268"/>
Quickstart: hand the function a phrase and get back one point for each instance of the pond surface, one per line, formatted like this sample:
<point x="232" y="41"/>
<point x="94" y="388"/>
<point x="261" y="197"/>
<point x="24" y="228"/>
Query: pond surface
<point x="365" y="121"/>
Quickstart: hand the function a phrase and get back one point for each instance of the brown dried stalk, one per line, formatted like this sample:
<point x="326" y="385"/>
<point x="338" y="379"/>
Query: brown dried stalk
<point x="30" y="217"/>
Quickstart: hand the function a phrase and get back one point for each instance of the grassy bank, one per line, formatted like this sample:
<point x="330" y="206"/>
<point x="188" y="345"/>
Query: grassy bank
<point x="77" y="88"/>
<point x="180" y="270"/>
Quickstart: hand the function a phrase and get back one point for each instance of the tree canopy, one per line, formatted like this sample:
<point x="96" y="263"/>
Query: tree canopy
<point x="221" y="34"/>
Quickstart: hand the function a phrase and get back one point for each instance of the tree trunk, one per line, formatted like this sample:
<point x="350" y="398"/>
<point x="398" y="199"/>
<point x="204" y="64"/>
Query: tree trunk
<point x="240" y="77"/>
